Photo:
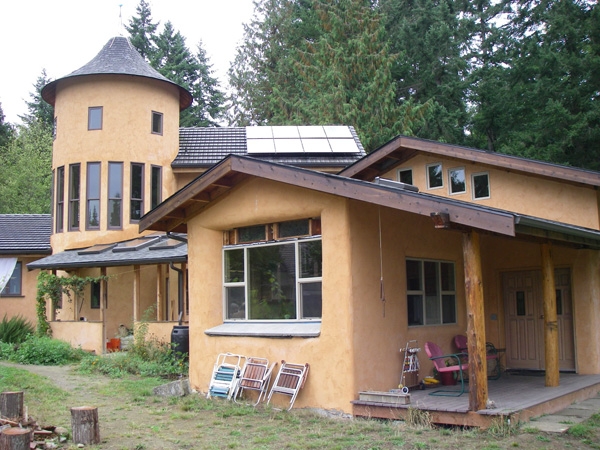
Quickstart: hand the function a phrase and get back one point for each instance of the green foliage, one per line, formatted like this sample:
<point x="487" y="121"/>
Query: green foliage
<point x="6" y="130"/>
<point x="26" y="171"/>
<point x="15" y="330"/>
<point x="52" y="287"/>
<point x="39" y="112"/>
<point x="42" y="351"/>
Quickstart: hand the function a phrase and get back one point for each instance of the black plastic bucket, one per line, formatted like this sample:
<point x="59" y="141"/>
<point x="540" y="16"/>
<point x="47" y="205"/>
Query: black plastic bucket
<point x="180" y="339"/>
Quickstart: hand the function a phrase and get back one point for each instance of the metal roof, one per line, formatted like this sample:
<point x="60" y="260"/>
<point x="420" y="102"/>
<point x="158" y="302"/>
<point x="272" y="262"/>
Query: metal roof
<point x="204" y="147"/>
<point x="118" y="57"/>
<point x="156" y="248"/>
<point x="22" y="234"/>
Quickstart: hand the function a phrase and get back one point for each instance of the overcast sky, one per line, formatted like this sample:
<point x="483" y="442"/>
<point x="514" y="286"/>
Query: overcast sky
<point x="63" y="35"/>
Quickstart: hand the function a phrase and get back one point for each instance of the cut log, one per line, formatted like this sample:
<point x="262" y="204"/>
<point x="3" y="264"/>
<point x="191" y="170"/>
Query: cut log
<point x="11" y="405"/>
<point x="84" y="421"/>
<point x="15" y="439"/>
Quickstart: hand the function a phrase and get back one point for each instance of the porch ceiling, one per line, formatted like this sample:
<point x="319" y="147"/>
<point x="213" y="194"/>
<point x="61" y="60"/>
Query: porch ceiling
<point x="403" y="148"/>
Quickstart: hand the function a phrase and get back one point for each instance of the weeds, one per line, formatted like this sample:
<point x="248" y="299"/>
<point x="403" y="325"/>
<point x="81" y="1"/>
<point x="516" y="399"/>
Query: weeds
<point x="43" y="351"/>
<point x="418" y="418"/>
<point x="15" y="330"/>
<point x="501" y="428"/>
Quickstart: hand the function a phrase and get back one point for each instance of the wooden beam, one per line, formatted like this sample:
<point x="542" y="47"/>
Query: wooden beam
<point x="550" y="318"/>
<point x="103" y="303"/>
<point x="136" y="293"/>
<point x="478" y="386"/>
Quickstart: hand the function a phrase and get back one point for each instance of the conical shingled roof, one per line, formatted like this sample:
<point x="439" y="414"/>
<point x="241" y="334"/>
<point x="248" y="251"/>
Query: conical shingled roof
<point x="117" y="57"/>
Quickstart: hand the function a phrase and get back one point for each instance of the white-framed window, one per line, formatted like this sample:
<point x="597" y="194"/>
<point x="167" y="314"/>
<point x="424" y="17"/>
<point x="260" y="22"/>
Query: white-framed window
<point x="273" y="280"/>
<point x="157" y="123"/>
<point x="457" y="181"/>
<point x="405" y="176"/>
<point x="95" y="118"/>
<point x="435" y="176"/>
<point x="430" y="292"/>
<point x="481" y="185"/>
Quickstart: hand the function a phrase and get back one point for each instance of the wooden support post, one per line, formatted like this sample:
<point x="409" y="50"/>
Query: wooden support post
<point x="15" y="438"/>
<point x="185" y="292"/>
<point x="478" y="384"/>
<point x="136" y="294"/>
<point x="159" y="292"/>
<point x="84" y="421"/>
<point x="11" y="405"/>
<point x="550" y="318"/>
<point x="103" y="304"/>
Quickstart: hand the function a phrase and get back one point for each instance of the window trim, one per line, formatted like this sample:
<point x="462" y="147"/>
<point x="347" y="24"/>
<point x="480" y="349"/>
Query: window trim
<point x="299" y="280"/>
<point x="93" y="109"/>
<point x="441" y="174"/>
<point x="60" y="199"/>
<point x="19" y="268"/>
<point x="455" y="169"/>
<point x="142" y="188"/>
<point x="152" y="129"/>
<point x="489" y="187"/>
<point x="88" y="198"/>
<point x="440" y="293"/>
<point x="109" y="198"/>
<point x="407" y="169"/>
<point x="74" y="201"/>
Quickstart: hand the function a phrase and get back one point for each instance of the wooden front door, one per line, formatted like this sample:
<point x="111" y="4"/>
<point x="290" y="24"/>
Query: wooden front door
<point x="523" y="306"/>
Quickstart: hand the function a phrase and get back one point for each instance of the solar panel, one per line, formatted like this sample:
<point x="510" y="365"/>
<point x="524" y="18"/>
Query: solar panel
<point x="343" y="146"/>
<point x="288" y="146"/>
<point x="260" y="146"/>
<point x="285" y="132"/>
<point x="338" y="132"/>
<point x="300" y="139"/>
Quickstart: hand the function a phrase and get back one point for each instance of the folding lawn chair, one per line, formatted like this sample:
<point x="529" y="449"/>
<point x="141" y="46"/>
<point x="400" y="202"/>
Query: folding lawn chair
<point x="289" y="381"/>
<point x="225" y="376"/>
<point x="255" y="376"/>
<point x="447" y="363"/>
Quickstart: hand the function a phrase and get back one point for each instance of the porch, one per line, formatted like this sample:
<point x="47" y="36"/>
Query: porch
<point x="517" y="397"/>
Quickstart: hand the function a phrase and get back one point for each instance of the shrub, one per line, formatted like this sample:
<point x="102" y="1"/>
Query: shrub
<point x="15" y="330"/>
<point x="46" y="351"/>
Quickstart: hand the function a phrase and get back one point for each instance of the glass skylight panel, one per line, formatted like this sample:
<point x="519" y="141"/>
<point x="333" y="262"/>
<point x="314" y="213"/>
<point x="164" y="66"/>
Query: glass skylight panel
<point x="287" y="132"/>
<point x="167" y="245"/>
<point x="312" y="131"/>
<point x="337" y="131"/>
<point x="96" y="249"/>
<point x="343" y="146"/>
<point x="260" y="146"/>
<point x="259" y="132"/>
<point x="134" y="245"/>
<point x="288" y="146"/>
<point x="316" y="146"/>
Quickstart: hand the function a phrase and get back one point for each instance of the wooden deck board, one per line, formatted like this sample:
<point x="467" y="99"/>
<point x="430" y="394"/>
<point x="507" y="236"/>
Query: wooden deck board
<point x="519" y="396"/>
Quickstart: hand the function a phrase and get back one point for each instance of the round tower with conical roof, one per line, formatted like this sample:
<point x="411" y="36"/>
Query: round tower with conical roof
<point x="116" y="134"/>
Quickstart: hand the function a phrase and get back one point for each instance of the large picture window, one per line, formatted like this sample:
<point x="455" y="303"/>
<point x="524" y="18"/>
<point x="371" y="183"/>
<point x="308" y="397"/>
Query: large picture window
<point x="431" y="292"/>
<point x="13" y="287"/>
<point x="273" y="281"/>
<point x="115" y="194"/>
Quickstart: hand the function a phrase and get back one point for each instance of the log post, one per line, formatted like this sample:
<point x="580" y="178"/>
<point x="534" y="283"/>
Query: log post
<point x="11" y="405"/>
<point x="84" y="421"/>
<point x="478" y="385"/>
<point x="550" y="319"/>
<point x="136" y="293"/>
<point x="15" y="438"/>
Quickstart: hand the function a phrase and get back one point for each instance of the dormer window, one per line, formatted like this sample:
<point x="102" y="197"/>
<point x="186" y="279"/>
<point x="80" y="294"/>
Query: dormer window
<point x="157" y="123"/>
<point x="95" y="118"/>
<point x="435" y="176"/>
<point x="481" y="186"/>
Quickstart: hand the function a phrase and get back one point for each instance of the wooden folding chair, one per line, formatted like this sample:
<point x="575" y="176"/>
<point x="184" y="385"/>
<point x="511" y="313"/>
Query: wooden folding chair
<point x="255" y="376"/>
<point x="289" y="381"/>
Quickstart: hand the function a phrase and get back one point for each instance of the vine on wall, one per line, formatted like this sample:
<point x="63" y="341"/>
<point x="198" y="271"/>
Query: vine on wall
<point x="53" y="287"/>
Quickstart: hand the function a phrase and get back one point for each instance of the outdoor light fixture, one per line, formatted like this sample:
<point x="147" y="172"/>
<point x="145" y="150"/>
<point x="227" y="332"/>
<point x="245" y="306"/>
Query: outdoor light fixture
<point x="441" y="220"/>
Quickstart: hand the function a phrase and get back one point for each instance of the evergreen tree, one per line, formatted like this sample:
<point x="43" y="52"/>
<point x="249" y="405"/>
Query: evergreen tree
<point x="208" y="107"/>
<point x="142" y="31"/>
<point x="38" y="110"/>
<point x="6" y="131"/>
<point x="26" y="171"/>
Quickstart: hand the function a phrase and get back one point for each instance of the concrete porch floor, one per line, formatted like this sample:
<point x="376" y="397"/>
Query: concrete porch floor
<point x="516" y="397"/>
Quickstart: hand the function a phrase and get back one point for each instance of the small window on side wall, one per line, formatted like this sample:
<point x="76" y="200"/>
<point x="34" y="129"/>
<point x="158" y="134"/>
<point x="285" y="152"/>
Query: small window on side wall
<point x="157" y="123"/>
<point x="435" y="176"/>
<point x="95" y="295"/>
<point x="458" y="182"/>
<point x="481" y="186"/>
<point x="405" y="176"/>
<point x="13" y="286"/>
<point x="95" y="118"/>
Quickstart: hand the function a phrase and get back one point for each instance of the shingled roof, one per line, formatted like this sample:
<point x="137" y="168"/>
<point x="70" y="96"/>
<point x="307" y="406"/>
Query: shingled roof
<point x="205" y="147"/>
<point x="25" y="234"/>
<point x="117" y="57"/>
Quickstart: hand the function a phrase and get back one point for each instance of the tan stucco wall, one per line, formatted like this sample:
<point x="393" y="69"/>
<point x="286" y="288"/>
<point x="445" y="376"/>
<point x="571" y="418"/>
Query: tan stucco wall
<point x="23" y="305"/>
<point x="520" y="193"/>
<point x="125" y="137"/>
<point x="84" y="335"/>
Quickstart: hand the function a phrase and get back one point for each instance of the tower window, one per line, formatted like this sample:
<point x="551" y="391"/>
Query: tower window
<point x="93" y="195"/>
<point x="74" y="189"/>
<point x="156" y="186"/>
<point x="136" y="206"/>
<point x="115" y="194"/>
<point x="60" y="198"/>
<point x="95" y="118"/>
<point x="157" y="122"/>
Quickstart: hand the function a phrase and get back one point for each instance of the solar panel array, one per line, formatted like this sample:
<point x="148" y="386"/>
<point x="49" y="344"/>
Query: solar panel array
<point x="300" y="139"/>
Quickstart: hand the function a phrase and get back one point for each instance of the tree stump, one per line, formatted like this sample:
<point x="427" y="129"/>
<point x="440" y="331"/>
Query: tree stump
<point x="84" y="421"/>
<point x="11" y="405"/>
<point x="15" y="439"/>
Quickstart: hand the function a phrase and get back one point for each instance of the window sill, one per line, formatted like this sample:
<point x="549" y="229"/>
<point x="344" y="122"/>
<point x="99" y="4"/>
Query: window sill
<point x="270" y="329"/>
<point x="12" y="296"/>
